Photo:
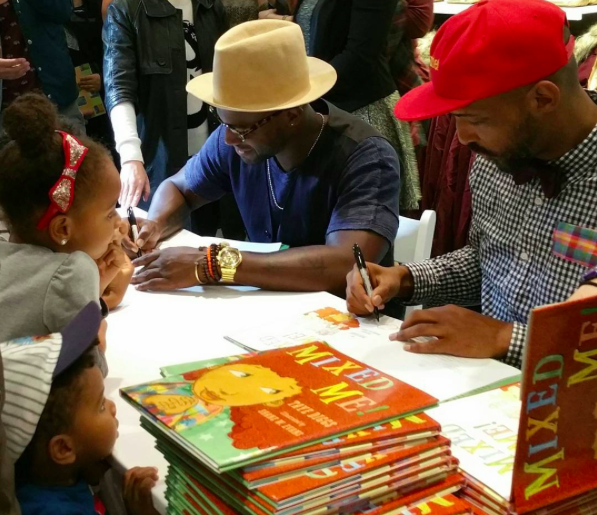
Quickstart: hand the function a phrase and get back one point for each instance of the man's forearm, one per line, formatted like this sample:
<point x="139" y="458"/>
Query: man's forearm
<point x="315" y="268"/>
<point x="168" y="209"/>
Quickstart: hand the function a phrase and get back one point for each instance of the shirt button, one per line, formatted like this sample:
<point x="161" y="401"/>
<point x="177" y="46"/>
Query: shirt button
<point x="29" y="42"/>
<point x="49" y="96"/>
<point x="39" y="69"/>
<point x="524" y="256"/>
<point x="538" y="201"/>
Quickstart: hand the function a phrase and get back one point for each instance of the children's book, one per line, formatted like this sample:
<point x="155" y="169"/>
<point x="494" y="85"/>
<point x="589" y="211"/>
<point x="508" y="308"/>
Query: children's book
<point x="365" y="339"/>
<point x="229" y="416"/>
<point x="183" y="368"/>
<point x="400" y="430"/>
<point x="483" y="430"/>
<point x="556" y="454"/>
<point x="90" y="104"/>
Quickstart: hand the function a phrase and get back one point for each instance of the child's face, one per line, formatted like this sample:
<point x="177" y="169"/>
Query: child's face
<point x="95" y="427"/>
<point x="96" y="222"/>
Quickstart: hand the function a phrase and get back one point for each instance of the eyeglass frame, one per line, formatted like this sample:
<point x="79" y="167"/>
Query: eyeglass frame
<point x="243" y="134"/>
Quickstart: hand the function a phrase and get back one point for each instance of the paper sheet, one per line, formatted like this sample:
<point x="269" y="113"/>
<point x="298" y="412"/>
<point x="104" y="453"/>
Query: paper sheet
<point x="444" y="377"/>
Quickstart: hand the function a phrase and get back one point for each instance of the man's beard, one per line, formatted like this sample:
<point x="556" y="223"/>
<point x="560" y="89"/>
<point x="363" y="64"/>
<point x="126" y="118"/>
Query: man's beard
<point x="519" y="156"/>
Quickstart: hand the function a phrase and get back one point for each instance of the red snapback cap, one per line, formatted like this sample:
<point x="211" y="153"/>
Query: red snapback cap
<point x="492" y="47"/>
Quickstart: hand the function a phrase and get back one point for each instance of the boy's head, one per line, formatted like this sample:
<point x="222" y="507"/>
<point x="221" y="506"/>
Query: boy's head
<point x="55" y="412"/>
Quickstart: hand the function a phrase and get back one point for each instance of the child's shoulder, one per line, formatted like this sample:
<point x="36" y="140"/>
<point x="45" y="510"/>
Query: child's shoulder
<point x="22" y="256"/>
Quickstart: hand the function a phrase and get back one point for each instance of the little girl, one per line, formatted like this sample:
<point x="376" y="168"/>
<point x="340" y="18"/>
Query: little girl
<point x="58" y="195"/>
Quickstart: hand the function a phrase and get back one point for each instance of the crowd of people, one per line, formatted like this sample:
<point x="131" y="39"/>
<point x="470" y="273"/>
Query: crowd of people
<point x="301" y="126"/>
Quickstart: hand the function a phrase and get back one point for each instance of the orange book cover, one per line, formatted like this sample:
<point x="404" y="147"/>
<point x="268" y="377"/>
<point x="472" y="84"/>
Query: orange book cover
<point x="281" y="473"/>
<point x="394" y="505"/>
<point x="234" y="414"/>
<point x="395" y="431"/>
<point x="556" y="453"/>
<point x="375" y="464"/>
<point x="418" y="474"/>
<point x="334" y="504"/>
<point x="440" y="505"/>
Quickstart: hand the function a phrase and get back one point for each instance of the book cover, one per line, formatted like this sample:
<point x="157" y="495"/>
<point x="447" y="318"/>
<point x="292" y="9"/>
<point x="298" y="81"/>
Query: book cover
<point x="400" y="430"/>
<point x="231" y="415"/>
<point x="396" y="504"/>
<point x="90" y="104"/>
<point x="183" y="368"/>
<point x="443" y="377"/>
<point x="285" y="472"/>
<point x="483" y="430"/>
<point x="556" y="454"/>
<point x="440" y="505"/>
<point x="354" y="470"/>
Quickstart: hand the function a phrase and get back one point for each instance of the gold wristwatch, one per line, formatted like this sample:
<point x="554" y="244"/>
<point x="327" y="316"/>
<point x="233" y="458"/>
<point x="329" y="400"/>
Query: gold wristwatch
<point x="229" y="259"/>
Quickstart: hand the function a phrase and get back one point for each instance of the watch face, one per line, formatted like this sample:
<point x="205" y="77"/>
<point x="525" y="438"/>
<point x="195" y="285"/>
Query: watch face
<point x="229" y="258"/>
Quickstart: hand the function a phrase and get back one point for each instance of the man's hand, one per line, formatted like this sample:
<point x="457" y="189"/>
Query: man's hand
<point x="134" y="184"/>
<point x="91" y="83"/>
<point x="387" y="283"/>
<point x="458" y="332"/>
<point x="149" y="237"/>
<point x="11" y="69"/>
<point x="138" y="483"/>
<point x="168" y="269"/>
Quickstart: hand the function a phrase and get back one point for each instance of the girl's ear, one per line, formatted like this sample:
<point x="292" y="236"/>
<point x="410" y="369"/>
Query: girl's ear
<point x="61" y="450"/>
<point x="60" y="230"/>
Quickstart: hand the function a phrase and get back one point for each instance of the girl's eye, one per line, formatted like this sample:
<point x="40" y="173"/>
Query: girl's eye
<point x="269" y="391"/>
<point x="238" y="373"/>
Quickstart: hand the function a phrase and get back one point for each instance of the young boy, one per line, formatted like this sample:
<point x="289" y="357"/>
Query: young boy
<point x="59" y="426"/>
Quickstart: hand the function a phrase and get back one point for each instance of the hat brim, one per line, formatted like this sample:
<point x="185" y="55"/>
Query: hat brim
<point x="322" y="77"/>
<point x="78" y="337"/>
<point x="423" y="103"/>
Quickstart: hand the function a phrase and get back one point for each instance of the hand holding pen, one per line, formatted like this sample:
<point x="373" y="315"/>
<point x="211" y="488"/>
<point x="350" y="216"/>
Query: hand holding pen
<point x="134" y="228"/>
<point x="362" y="266"/>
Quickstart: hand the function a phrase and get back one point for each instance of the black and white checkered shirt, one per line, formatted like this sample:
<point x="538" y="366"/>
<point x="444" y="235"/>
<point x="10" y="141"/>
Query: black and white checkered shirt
<point x="509" y="266"/>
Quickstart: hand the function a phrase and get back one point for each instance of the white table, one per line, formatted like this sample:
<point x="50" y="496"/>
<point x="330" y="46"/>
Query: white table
<point x="573" y="13"/>
<point x="151" y="330"/>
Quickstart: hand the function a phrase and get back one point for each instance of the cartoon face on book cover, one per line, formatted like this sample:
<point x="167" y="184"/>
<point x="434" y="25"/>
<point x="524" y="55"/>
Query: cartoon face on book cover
<point x="277" y="398"/>
<point x="556" y="455"/>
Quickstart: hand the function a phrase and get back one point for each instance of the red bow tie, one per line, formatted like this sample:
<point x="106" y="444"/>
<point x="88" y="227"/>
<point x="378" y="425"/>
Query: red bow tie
<point x="551" y="183"/>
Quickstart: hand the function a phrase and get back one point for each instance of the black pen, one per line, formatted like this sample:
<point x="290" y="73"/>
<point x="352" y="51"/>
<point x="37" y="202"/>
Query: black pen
<point x="362" y="266"/>
<point x="134" y="228"/>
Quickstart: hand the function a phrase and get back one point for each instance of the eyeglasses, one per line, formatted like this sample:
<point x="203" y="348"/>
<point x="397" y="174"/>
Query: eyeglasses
<point x="243" y="133"/>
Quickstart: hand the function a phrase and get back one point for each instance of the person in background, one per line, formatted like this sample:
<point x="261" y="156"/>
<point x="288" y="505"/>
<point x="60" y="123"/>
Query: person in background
<point x="352" y="35"/>
<point x="303" y="172"/>
<point x="151" y="53"/>
<point x="65" y="233"/>
<point x="60" y="428"/>
<point x="534" y="129"/>
<point x="33" y="32"/>
<point x="412" y="20"/>
<point x="84" y="39"/>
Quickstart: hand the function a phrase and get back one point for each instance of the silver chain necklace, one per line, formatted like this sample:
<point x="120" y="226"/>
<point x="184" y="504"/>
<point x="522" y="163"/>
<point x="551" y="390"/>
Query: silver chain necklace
<point x="269" y="173"/>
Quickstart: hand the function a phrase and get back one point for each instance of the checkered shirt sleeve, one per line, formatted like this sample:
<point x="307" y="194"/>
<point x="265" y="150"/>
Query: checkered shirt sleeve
<point x="451" y="279"/>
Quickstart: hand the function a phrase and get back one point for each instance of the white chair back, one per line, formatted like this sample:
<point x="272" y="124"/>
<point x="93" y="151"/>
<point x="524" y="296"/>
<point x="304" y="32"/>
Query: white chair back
<point x="413" y="242"/>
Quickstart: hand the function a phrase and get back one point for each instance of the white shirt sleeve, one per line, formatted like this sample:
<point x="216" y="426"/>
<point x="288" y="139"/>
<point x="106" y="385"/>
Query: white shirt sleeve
<point x="124" y="124"/>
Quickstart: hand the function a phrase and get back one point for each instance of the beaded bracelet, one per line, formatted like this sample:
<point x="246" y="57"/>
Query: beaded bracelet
<point x="209" y="267"/>
<point x="215" y="250"/>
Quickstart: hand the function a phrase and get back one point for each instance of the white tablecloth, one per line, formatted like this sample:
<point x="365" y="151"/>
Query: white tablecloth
<point x="151" y="330"/>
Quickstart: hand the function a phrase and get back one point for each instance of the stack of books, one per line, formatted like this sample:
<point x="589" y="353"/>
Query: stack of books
<point x="531" y="447"/>
<point x="299" y="430"/>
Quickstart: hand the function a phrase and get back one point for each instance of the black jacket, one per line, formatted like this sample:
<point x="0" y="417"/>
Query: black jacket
<point x="352" y="35"/>
<point x="145" y="63"/>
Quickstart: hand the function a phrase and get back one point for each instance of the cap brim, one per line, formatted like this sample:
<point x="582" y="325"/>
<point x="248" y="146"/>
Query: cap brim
<point x="78" y="336"/>
<point x="322" y="77"/>
<point x="423" y="103"/>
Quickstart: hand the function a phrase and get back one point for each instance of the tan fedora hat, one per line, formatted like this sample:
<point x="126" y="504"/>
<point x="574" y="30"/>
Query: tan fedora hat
<point x="262" y="66"/>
